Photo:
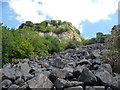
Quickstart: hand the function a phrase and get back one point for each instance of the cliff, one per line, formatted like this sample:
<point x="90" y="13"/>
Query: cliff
<point x="57" y="28"/>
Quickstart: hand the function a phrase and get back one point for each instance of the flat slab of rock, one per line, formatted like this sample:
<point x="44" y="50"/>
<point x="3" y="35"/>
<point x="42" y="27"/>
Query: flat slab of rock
<point x="41" y="82"/>
<point x="74" y="88"/>
<point x="94" y="88"/>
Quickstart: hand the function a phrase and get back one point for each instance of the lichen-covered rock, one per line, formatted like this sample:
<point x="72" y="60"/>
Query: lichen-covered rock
<point x="40" y="82"/>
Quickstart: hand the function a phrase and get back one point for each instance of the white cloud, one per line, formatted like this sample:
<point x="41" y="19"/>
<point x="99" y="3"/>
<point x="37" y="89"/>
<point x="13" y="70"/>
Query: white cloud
<point x="74" y="11"/>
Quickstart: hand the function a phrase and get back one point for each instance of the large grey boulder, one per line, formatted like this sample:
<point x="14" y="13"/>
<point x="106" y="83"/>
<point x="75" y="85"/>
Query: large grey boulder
<point x="58" y="62"/>
<point x="104" y="77"/>
<point x="9" y="73"/>
<point x="57" y="73"/>
<point x="40" y="82"/>
<point x="60" y="83"/>
<point x="24" y="68"/>
<point x="107" y="67"/>
<point x="116" y="82"/>
<point x="87" y="77"/>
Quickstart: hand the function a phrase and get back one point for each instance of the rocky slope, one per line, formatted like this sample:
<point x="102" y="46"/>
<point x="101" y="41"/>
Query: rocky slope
<point x="73" y="69"/>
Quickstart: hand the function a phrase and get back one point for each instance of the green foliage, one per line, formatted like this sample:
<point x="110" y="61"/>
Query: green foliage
<point x="55" y="26"/>
<point x="100" y="38"/>
<point x="53" y="43"/>
<point x="25" y="41"/>
<point x="72" y="44"/>
<point x="112" y="55"/>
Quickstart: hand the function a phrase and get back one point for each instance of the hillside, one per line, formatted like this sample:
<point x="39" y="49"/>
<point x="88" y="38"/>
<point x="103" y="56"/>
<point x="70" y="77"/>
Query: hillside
<point x="57" y="28"/>
<point x="79" y="69"/>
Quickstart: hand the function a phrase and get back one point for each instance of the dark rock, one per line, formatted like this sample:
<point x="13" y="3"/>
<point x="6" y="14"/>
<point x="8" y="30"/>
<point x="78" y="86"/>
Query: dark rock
<point x="104" y="77"/>
<point x="58" y="62"/>
<point x="78" y="70"/>
<point x="74" y="88"/>
<point x="107" y="67"/>
<point x="57" y="73"/>
<point x="13" y="87"/>
<point x="60" y="83"/>
<point x="6" y="83"/>
<point x="69" y="76"/>
<point x="40" y="81"/>
<point x="116" y="82"/>
<point x="87" y="77"/>
<point x="19" y="82"/>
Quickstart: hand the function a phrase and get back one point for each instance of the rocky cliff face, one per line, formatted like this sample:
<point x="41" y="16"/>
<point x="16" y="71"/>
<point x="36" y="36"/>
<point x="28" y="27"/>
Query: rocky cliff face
<point x="57" y="28"/>
<point x="73" y="69"/>
<point x="69" y="33"/>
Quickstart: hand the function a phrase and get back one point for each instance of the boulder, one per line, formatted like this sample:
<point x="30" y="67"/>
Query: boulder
<point x="57" y="73"/>
<point x="9" y="73"/>
<point x="60" y="83"/>
<point x="58" y="62"/>
<point x="104" y="77"/>
<point x="116" y="82"/>
<point x="19" y="82"/>
<point x="107" y="67"/>
<point x="40" y="81"/>
<point x="24" y="68"/>
<point x="87" y="77"/>
<point x="6" y="83"/>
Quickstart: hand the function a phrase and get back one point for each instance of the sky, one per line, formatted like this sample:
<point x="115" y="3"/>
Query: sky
<point x="89" y="16"/>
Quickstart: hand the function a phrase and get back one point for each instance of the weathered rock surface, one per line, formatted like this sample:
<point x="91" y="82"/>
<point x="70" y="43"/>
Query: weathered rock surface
<point x="73" y="69"/>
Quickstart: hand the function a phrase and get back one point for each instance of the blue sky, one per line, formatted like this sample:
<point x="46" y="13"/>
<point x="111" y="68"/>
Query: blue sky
<point x="96" y="17"/>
